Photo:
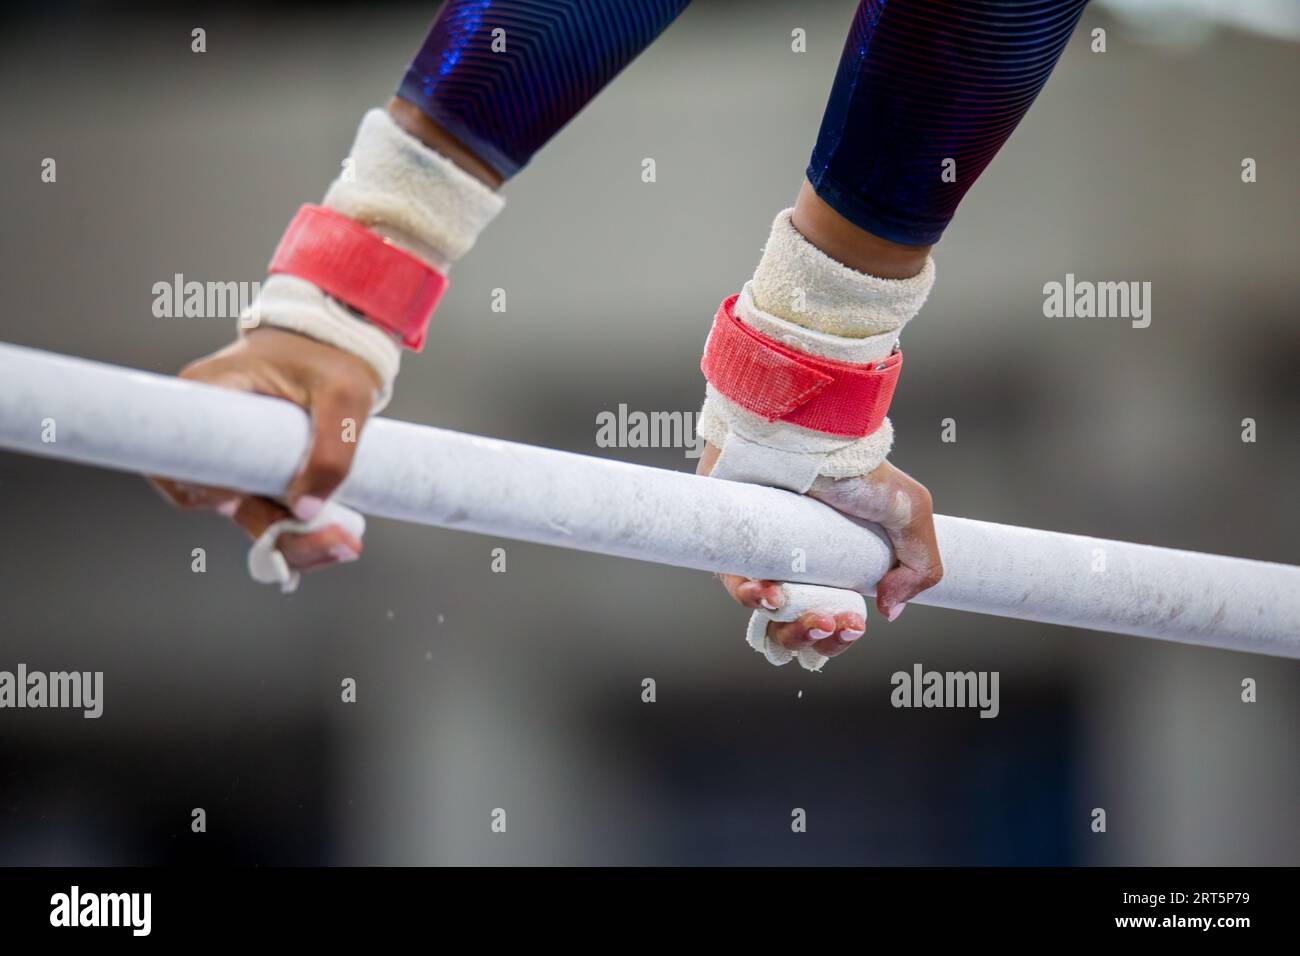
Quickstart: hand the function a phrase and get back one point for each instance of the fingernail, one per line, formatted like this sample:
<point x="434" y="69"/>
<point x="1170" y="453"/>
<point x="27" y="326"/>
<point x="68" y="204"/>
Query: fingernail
<point x="767" y="604"/>
<point x="848" y="636"/>
<point x="896" y="610"/>
<point x="817" y="634"/>
<point x="307" y="507"/>
<point x="228" y="508"/>
<point x="342" y="553"/>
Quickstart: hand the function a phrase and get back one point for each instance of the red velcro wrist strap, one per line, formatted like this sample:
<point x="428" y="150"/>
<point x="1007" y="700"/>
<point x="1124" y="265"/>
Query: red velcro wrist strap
<point x="392" y="288"/>
<point x="777" y="382"/>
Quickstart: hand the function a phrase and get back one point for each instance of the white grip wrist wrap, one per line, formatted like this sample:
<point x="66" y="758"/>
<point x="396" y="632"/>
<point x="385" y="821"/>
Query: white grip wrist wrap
<point x="411" y="195"/>
<point x="804" y="299"/>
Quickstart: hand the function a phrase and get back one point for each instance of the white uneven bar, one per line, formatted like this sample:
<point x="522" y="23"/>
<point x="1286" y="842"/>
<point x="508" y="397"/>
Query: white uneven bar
<point x="141" y="422"/>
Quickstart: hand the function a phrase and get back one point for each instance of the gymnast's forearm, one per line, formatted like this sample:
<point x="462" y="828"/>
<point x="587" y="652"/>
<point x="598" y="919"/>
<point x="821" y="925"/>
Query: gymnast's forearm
<point x="926" y="93"/>
<point x="489" y="89"/>
<point x="503" y="80"/>
<point x="355" y="281"/>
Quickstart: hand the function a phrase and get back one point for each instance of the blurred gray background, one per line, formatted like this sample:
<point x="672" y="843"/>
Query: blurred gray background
<point x="522" y="690"/>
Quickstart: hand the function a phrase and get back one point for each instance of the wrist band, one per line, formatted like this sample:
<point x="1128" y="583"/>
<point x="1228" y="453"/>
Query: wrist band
<point x="779" y="383"/>
<point x="390" y="287"/>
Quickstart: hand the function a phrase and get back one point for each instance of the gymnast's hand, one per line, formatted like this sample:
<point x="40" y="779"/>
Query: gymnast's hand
<point x="333" y="386"/>
<point x="892" y="499"/>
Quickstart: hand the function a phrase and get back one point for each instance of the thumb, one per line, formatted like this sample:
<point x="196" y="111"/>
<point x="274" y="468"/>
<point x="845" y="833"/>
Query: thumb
<point x="337" y="416"/>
